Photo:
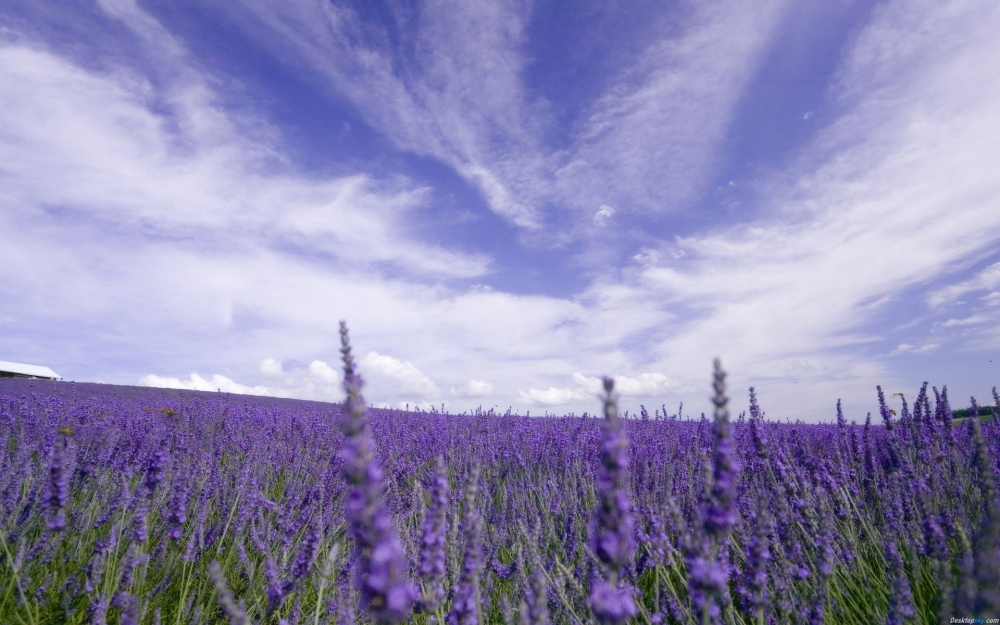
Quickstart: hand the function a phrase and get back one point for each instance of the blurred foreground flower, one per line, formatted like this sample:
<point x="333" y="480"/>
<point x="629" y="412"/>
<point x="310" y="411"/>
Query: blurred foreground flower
<point x="613" y="538"/>
<point x="380" y="576"/>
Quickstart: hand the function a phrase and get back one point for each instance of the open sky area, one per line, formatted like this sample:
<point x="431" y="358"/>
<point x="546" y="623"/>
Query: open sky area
<point x="506" y="200"/>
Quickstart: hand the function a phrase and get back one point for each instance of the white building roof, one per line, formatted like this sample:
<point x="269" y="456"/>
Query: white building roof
<point x="32" y="370"/>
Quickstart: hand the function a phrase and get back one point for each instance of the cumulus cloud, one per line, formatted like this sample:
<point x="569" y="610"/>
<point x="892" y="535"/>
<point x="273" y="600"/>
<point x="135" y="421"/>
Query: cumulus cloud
<point x="323" y="372"/>
<point x="552" y="396"/>
<point x="198" y="383"/>
<point x="590" y="389"/>
<point x="402" y="376"/>
<point x="271" y="368"/>
<point x="603" y="214"/>
<point x="473" y="388"/>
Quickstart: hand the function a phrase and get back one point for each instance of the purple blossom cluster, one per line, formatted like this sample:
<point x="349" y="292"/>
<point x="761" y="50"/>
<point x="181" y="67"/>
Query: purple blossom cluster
<point x="432" y="566"/>
<point x="613" y="540"/>
<point x="381" y="575"/>
<point x="121" y="505"/>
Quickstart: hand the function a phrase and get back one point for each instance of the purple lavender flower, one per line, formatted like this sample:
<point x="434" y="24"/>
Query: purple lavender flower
<point x="935" y="541"/>
<point x="465" y="609"/>
<point x="987" y="559"/>
<point x="537" y="606"/>
<point x="432" y="554"/>
<point x="129" y="605"/>
<point x="154" y="471"/>
<point x="610" y="603"/>
<point x="613" y="539"/>
<point x="901" y="605"/>
<point x="140" y="531"/>
<point x="942" y="409"/>
<point x="758" y="556"/>
<point x="236" y="612"/>
<point x="307" y="554"/>
<point x="719" y="514"/>
<point x="59" y="483"/>
<point x="707" y="577"/>
<point x="386" y="594"/>
<point x="707" y="581"/>
<point x="178" y="507"/>
<point x="97" y="610"/>
<point x="884" y="409"/>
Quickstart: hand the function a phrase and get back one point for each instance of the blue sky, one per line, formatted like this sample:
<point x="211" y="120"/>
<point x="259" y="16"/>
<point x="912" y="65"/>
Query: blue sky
<point x="506" y="200"/>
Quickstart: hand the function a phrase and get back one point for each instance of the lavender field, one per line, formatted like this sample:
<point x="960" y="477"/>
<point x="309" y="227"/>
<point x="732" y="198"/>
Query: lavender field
<point x="125" y="505"/>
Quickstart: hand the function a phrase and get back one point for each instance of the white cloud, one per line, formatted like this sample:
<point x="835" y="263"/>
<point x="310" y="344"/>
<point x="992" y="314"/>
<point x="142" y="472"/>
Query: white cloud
<point x="645" y="385"/>
<point x="171" y="231"/>
<point x="198" y="383"/>
<point x="460" y="92"/>
<point x="271" y="368"/>
<point x="402" y="376"/>
<point x="903" y="348"/>
<point x="986" y="279"/>
<point x="651" y="141"/>
<point x="324" y="372"/>
<point x="648" y="141"/>
<point x="552" y="396"/>
<point x="194" y="172"/>
<point x="968" y="321"/>
<point x="590" y="389"/>
<point x="474" y="388"/>
<point x="603" y="214"/>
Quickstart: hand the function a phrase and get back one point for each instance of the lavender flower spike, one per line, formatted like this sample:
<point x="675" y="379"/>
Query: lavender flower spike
<point x="432" y="553"/>
<point x="708" y="578"/>
<point x="719" y="515"/>
<point x="235" y="611"/>
<point x="613" y="540"/>
<point x="465" y="610"/>
<point x="59" y="482"/>
<point x="901" y="598"/>
<point x="987" y="559"/>
<point x="380" y="576"/>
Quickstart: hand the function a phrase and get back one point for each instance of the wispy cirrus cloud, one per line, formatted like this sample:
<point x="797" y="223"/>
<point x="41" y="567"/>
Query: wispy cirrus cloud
<point x="120" y="163"/>
<point x="180" y="234"/>
<point x="447" y="81"/>
<point x="650" y="142"/>
<point x="867" y="211"/>
<point x="448" y="87"/>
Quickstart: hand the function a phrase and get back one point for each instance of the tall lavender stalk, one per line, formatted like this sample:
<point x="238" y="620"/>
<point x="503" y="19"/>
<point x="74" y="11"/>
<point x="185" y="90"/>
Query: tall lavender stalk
<point x="719" y="515"/>
<point x="884" y="409"/>
<point x="613" y="540"/>
<point x="235" y="611"/>
<point x="59" y="481"/>
<point x="987" y="559"/>
<point x="432" y="544"/>
<point x="465" y="610"/>
<point x="708" y="578"/>
<point x="901" y="606"/>
<point x="757" y="552"/>
<point x="380" y="576"/>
